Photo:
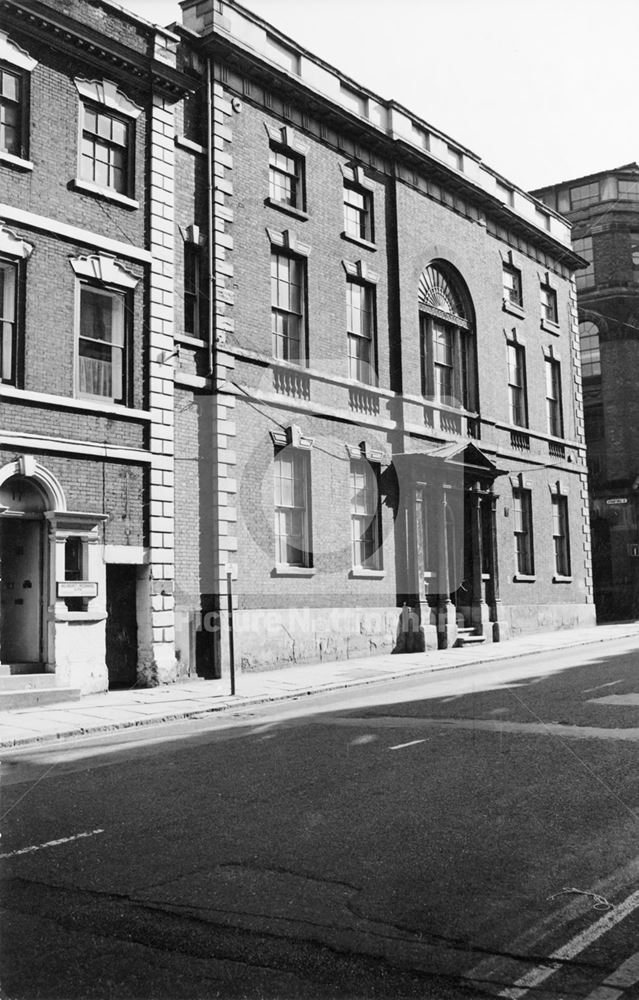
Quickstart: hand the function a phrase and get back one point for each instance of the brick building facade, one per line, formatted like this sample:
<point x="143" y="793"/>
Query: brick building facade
<point x="264" y="329"/>
<point x="394" y="434"/>
<point x="604" y="211"/>
<point x="86" y="307"/>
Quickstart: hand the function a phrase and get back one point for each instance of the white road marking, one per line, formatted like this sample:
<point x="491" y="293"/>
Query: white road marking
<point x="600" y="686"/>
<point x="572" y="948"/>
<point x="51" y="843"/>
<point x="626" y="975"/>
<point x="400" y="746"/>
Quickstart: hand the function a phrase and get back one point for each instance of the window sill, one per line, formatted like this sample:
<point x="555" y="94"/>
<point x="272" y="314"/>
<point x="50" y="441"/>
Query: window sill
<point x="15" y="161"/>
<point x="562" y="579"/>
<point x="513" y="309"/>
<point x="281" y="206"/>
<point x="293" y="571"/>
<point x="523" y="578"/>
<point x="192" y="147"/>
<point x="359" y="240"/>
<point x="72" y="403"/>
<point x="86" y="187"/>
<point x="100" y="400"/>
<point x="189" y="341"/>
<point x="360" y="573"/>
<point x="550" y="327"/>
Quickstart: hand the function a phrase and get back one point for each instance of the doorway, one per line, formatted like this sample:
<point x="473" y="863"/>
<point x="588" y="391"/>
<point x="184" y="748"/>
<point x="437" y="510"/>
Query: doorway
<point x="121" y="625"/>
<point x="21" y="590"/>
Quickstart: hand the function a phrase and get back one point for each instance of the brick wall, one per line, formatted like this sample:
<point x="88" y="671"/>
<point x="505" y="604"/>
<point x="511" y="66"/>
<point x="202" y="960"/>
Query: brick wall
<point x="53" y="148"/>
<point x="113" y="488"/>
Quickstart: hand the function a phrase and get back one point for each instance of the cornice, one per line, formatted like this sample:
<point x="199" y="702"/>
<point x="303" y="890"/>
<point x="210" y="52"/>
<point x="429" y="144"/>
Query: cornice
<point x="394" y="148"/>
<point x="59" y="31"/>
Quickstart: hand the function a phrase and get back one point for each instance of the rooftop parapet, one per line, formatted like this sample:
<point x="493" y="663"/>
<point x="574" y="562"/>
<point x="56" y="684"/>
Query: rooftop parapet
<point x="227" y="19"/>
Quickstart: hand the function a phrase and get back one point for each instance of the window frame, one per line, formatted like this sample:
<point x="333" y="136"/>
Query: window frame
<point x="194" y="298"/>
<point x="585" y="278"/>
<point x="122" y="297"/>
<point x="357" y="366"/>
<point x="23" y="108"/>
<point x="94" y="107"/>
<point x="460" y="367"/>
<point x="279" y="254"/>
<point x="594" y="353"/>
<point x="514" y="272"/>
<point x="298" y="176"/>
<point x="364" y="231"/>
<point x="561" y="536"/>
<point x="516" y="354"/>
<point x="549" y="304"/>
<point x="366" y="525"/>
<point x="13" y="336"/>
<point x="80" y="573"/>
<point x="523" y="533"/>
<point x="301" y="462"/>
<point x="554" y="400"/>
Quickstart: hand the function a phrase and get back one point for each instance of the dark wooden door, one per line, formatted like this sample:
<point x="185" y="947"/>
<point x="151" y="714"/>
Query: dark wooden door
<point x="121" y="626"/>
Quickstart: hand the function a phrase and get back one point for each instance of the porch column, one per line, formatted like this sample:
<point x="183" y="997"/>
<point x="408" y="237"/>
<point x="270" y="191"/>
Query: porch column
<point x="500" y="628"/>
<point x="447" y="613"/>
<point x="480" y="611"/>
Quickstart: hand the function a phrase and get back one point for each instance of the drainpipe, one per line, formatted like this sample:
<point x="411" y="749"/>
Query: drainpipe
<point x="210" y="221"/>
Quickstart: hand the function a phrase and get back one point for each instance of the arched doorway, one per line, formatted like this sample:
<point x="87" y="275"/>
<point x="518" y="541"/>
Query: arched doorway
<point x="23" y="504"/>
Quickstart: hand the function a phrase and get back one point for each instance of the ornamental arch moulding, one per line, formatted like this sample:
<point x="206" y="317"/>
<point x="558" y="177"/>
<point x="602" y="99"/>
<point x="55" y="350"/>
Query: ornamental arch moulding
<point x="29" y="468"/>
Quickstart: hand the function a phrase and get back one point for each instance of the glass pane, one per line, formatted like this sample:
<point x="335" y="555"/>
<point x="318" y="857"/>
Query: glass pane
<point x="104" y="126"/>
<point x="6" y="349"/>
<point x="7" y="292"/>
<point x="96" y="315"/>
<point x="90" y="120"/>
<point x="118" y="177"/>
<point x="10" y="115"/>
<point x="9" y="140"/>
<point x="95" y="369"/>
<point x="119" y="132"/>
<point x="101" y="173"/>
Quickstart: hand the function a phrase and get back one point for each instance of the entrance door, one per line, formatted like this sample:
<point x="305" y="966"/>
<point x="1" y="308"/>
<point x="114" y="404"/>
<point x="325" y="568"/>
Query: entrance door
<point x="20" y="590"/>
<point x="121" y="625"/>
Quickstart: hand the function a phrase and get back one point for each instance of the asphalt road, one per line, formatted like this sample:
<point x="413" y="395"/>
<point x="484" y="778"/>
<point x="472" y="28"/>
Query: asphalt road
<point x="396" y="841"/>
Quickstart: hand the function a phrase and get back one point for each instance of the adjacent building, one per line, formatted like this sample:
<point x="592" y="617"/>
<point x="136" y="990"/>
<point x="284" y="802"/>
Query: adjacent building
<point x="87" y="191"/>
<point x="395" y="391"/>
<point x="277" y="357"/>
<point x="604" y="211"/>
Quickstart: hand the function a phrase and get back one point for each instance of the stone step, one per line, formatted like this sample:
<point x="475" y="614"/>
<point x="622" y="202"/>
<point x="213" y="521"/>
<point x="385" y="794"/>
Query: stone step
<point x="35" y="697"/>
<point x="466" y="640"/>
<point x="26" y="682"/>
<point x="9" y="669"/>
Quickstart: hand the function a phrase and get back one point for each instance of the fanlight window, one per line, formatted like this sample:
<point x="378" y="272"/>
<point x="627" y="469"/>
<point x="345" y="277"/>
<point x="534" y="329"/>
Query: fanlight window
<point x="448" y="345"/>
<point x="437" y="293"/>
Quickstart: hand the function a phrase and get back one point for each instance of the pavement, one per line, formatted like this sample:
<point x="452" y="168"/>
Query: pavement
<point x="122" y="709"/>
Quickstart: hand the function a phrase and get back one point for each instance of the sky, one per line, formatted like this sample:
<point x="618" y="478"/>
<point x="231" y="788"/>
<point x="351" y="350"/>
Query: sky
<point x="541" y="90"/>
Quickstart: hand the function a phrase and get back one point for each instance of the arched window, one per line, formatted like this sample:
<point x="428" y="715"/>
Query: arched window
<point x="590" y="349"/>
<point x="448" y="344"/>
